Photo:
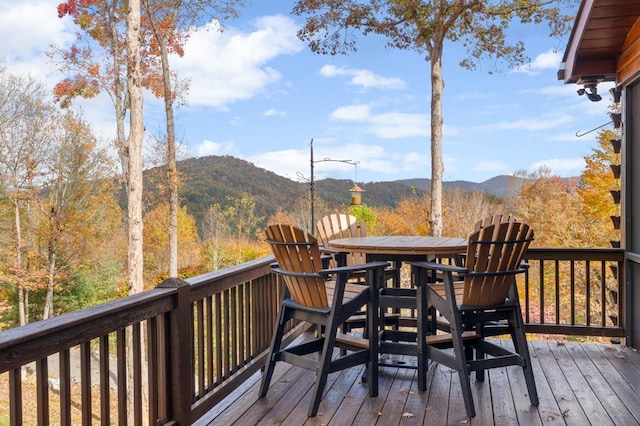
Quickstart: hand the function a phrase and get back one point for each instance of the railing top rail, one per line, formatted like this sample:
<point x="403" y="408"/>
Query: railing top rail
<point x="22" y="345"/>
<point x="224" y="279"/>
<point x="595" y="254"/>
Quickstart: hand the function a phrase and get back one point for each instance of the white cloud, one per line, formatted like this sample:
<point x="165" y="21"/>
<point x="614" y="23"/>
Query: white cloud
<point x="561" y="166"/>
<point x="550" y="59"/>
<point x="226" y="67"/>
<point x="288" y="163"/>
<point x="492" y="166"/>
<point x="363" y="78"/>
<point x="208" y="147"/>
<point x="27" y="29"/>
<point x="271" y="112"/>
<point x="351" y="113"/>
<point x="236" y="121"/>
<point x="332" y="71"/>
<point x="392" y="125"/>
<point x="294" y="164"/>
<point x="527" y="124"/>
<point x="396" y="125"/>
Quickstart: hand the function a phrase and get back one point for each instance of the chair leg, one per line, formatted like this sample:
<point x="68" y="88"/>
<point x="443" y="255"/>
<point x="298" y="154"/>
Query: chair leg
<point x="463" y="375"/>
<point x="479" y="354"/>
<point x="520" y="343"/>
<point x="276" y="342"/>
<point x="459" y="350"/>
<point x="423" y="329"/>
<point x="324" y="365"/>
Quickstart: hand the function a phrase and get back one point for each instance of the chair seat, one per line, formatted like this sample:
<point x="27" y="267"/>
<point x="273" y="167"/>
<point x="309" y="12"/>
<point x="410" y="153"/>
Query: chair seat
<point x="458" y="287"/>
<point x="351" y="290"/>
<point x="447" y="338"/>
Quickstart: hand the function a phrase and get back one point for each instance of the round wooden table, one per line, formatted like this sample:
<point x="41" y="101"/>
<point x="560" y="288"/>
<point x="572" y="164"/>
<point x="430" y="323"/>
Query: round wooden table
<point x="401" y="247"/>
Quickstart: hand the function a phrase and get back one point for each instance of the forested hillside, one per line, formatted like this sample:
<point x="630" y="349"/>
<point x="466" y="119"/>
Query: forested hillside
<point x="212" y="179"/>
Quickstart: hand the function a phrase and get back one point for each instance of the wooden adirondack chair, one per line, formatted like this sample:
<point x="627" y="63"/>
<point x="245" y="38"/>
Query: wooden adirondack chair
<point x="310" y="296"/>
<point x="484" y="304"/>
<point x="340" y="225"/>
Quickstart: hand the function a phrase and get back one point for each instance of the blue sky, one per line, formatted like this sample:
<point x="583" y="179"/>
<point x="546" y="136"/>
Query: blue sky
<point x="259" y="94"/>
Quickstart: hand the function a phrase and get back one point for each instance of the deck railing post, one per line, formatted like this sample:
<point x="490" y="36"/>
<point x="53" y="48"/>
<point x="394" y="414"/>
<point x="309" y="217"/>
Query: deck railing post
<point x="180" y="343"/>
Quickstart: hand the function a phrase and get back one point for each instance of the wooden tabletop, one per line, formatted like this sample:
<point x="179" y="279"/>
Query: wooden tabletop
<point x="401" y="245"/>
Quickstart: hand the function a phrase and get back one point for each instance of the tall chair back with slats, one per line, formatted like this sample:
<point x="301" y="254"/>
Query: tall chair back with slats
<point x="492" y="252"/>
<point x="340" y="225"/>
<point x="296" y="250"/>
<point x="323" y="297"/>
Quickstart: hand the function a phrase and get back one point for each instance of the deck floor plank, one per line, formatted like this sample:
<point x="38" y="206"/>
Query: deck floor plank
<point x="585" y="396"/>
<point x="349" y="408"/>
<point x="395" y="404"/>
<point x="416" y="403"/>
<point x="526" y="413"/>
<point x="373" y="408"/>
<point x="625" y="382"/>
<point x="504" y="413"/>
<point x="548" y="409"/>
<point x="615" y="408"/>
<point x="570" y="409"/>
<point x="578" y="383"/>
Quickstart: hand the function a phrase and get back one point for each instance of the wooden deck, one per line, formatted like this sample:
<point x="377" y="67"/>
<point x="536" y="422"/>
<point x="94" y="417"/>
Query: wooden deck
<point x="578" y="384"/>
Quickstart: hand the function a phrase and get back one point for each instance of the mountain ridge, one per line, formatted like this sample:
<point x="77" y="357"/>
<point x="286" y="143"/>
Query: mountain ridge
<point x="213" y="179"/>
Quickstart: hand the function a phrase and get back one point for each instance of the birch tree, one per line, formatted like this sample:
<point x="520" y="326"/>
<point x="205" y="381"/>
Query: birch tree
<point x="106" y="58"/>
<point x="24" y="149"/>
<point x="333" y="26"/>
<point x="168" y="23"/>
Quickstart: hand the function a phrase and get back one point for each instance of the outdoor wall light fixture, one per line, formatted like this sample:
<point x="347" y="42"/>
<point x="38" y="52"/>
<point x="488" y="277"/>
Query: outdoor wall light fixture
<point x="616" y="94"/>
<point x="591" y="90"/>
<point x="616" y="118"/>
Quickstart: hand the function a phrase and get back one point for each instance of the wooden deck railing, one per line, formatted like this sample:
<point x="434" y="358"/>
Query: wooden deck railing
<point x="199" y="340"/>
<point x="193" y="342"/>
<point x="574" y="292"/>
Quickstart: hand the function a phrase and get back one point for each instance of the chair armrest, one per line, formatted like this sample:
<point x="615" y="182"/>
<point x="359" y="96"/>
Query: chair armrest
<point x="353" y="268"/>
<point x="439" y="267"/>
<point x="322" y="273"/>
<point x="328" y="250"/>
<point x="329" y="253"/>
<point x="279" y="271"/>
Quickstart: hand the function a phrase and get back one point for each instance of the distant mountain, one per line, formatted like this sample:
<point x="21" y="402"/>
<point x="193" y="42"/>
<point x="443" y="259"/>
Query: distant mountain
<point x="499" y="186"/>
<point x="209" y="180"/>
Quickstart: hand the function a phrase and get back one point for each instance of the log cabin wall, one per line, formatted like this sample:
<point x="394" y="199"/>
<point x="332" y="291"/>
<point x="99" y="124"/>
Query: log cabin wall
<point x="628" y="77"/>
<point x="628" y="68"/>
<point x="631" y="209"/>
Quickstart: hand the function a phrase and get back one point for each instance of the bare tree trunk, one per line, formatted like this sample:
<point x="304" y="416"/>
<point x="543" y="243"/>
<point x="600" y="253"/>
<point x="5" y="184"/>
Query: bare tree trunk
<point x="134" y="188"/>
<point x="172" y="168"/>
<point x="437" y="166"/>
<point x="136" y="136"/>
<point x="21" y="296"/>
<point x="48" y="304"/>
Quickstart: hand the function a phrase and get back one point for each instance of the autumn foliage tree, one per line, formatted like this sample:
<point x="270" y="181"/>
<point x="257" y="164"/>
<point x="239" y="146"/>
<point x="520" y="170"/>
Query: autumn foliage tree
<point x="332" y="27"/>
<point x="77" y="182"/>
<point x="25" y="119"/>
<point x="552" y="207"/>
<point x="156" y="241"/>
<point x="596" y="193"/>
